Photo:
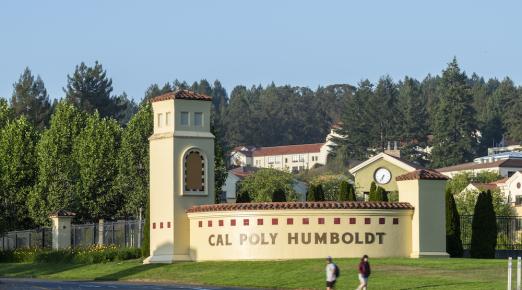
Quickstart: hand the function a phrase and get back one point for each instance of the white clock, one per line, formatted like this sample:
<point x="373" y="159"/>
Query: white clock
<point x="382" y="175"/>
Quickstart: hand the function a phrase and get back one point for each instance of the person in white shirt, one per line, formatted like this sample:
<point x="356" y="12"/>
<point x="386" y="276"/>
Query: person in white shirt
<point x="331" y="270"/>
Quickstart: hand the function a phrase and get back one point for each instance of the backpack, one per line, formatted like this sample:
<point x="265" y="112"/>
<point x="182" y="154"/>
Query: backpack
<point x="337" y="271"/>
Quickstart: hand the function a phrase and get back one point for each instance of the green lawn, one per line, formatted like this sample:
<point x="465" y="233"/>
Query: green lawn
<point x="302" y="274"/>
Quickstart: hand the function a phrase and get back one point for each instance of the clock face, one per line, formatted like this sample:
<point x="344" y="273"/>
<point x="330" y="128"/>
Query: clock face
<point x="382" y="176"/>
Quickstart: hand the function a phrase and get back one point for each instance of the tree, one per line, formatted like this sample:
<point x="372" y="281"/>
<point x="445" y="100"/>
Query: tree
<point x="95" y="151"/>
<point x="6" y="113"/>
<point x="373" y="190"/>
<point x="132" y="181"/>
<point x="346" y="191"/>
<point x="17" y="172"/>
<point x="30" y="99"/>
<point x="262" y="184"/>
<point x="484" y="228"/>
<point x="319" y="193"/>
<point x="145" y="246"/>
<point x="454" y="126"/>
<point x="125" y="108"/>
<point x="57" y="170"/>
<point x="310" y="194"/>
<point x="279" y="195"/>
<point x="220" y="169"/>
<point x="453" y="241"/>
<point x="89" y="89"/>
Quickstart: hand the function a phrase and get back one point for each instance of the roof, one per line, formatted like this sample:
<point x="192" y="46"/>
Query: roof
<point x="474" y="165"/>
<point x="243" y="171"/>
<point x="183" y="95"/>
<point x="404" y="164"/>
<point x="288" y="149"/>
<point x="485" y="186"/>
<point x="422" y="174"/>
<point x="301" y="205"/>
<point x="62" y="213"/>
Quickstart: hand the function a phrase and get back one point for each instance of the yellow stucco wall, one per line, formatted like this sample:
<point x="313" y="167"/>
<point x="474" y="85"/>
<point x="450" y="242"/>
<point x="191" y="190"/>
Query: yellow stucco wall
<point x="214" y="237"/>
<point x="365" y="176"/>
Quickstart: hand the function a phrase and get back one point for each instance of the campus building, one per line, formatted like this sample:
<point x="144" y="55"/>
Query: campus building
<point x="185" y="224"/>
<point x="504" y="164"/>
<point x="293" y="158"/>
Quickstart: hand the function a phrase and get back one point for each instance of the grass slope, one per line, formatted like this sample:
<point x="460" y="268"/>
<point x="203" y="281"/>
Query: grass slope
<point x="302" y="274"/>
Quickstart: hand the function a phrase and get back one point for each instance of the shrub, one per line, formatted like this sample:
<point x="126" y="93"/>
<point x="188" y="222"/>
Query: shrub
<point x="85" y="255"/>
<point x="278" y="196"/>
<point x="346" y="192"/>
<point x="331" y="184"/>
<point x="484" y="228"/>
<point x="145" y="246"/>
<point x="262" y="184"/>
<point x="453" y="241"/>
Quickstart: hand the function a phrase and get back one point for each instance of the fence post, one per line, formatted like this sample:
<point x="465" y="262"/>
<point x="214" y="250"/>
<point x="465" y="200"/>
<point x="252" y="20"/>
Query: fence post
<point x="112" y="232"/>
<point x="139" y="229"/>
<point x="101" y="223"/>
<point x="519" y="268"/>
<point x="509" y="274"/>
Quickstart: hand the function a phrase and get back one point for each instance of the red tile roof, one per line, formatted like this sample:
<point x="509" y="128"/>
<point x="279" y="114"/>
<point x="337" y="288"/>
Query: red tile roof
<point x="485" y="186"/>
<point x="424" y="174"/>
<point x="474" y="165"/>
<point x="183" y="95"/>
<point x="288" y="149"/>
<point x="301" y="205"/>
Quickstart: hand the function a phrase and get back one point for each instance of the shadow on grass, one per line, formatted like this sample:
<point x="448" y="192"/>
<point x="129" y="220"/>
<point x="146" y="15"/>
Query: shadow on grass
<point x="128" y="272"/>
<point x="33" y="270"/>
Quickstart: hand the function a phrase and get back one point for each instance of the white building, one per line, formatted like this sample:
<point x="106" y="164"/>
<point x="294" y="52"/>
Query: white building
<point x="504" y="164"/>
<point x="293" y="158"/>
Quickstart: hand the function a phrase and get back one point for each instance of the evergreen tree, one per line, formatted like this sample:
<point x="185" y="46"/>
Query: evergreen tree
<point x="319" y="193"/>
<point x="453" y="241"/>
<point x="279" y="195"/>
<point x="454" y="126"/>
<point x="145" y="246"/>
<point x="372" y="196"/>
<point x="220" y="169"/>
<point x="351" y="193"/>
<point x="132" y="182"/>
<point x="17" y="172"/>
<point x="125" y="109"/>
<point x="6" y="113"/>
<point x="381" y="194"/>
<point x="31" y="100"/>
<point x="384" y="113"/>
<point x="95" y="151"/>
<point x="310" y="194"/>
<point x="344" y="191"/>
<point x="57" y="170"/>
<point x="89" y="89"/>
<point x="484" y="228"/>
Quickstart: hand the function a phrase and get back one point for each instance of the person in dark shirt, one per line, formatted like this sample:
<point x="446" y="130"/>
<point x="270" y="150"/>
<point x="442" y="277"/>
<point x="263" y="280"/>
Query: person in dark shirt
<point x="364" y="273"/>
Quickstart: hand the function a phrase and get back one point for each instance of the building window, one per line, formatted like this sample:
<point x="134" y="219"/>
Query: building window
<point x="167" y="118"/>
<point x="160" y="120"/>
<point x="286" y="160"/>
<point x="198" y="119"/>
<point x="184" y="120"/>
<point x="518" y="200"/>
<point x="278" y="159"/>
<point x="258" y="162"/>
<point x="271" y="159"/>
<point x="194" y="171"/>
<point x="295" y="169"/>
<point x="301" y="157"/>
<point x="295" y="158"/>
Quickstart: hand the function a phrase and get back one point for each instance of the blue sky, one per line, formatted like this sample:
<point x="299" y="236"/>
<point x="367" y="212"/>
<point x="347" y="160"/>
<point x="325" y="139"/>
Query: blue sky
<point x="305" y="43"/>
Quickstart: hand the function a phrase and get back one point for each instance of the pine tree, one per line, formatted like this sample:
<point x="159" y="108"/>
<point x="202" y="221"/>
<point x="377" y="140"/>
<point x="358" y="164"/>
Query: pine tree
<point x="220" y="169"/>
<point x="31" y="100"/>
<point x="372" y="196"/>
<point x="454" y="126"/>
<point x="344" y="191"/>
<point x="484" y="228"/>
<point x="57" y="170"/>
<point x="453" y="240"/>
<point x="132" y="182"/>
<point x="89" y="89"/>
<point x="351" y="193"/>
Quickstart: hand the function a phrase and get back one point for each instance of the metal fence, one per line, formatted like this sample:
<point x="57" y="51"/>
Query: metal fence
<point x="509" y="232"/>
<point x="127" y="233"/>
<point x="37" y="238"/>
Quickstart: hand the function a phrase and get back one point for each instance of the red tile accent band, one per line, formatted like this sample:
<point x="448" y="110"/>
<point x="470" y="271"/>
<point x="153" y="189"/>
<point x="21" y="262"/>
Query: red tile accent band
<point x="337" y="221"/>
<point x="259" y="222"/>
<point x="275" y="221"/>
<point x="233" y="222"/>
<point x="154" y="225"/>
<point x="161" y="225"/>
<point x="382" y="221"/>
<point x="220" y="223"/>
<point x="209" y="223"/>
<point x="367" y="221"/>
<point x="306" y="221"/>
<point x="168" y="225"/>
<point x="395" y="221"/>
<point x="289" y="221"/>
<point x="246" y="222"/>
<point x="352" y="221"/>
<point x="320" y="221"/>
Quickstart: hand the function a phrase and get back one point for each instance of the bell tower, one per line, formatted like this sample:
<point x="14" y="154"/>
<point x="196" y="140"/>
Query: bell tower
<point x="181" y="171"/>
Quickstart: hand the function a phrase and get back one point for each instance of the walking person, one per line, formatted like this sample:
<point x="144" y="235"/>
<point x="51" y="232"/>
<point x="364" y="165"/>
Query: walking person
<point x="364" y="273"/>
<point x="332" y="272"/>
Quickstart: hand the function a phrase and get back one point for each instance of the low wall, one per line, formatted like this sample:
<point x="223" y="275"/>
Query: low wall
<point x="298" y="230"/>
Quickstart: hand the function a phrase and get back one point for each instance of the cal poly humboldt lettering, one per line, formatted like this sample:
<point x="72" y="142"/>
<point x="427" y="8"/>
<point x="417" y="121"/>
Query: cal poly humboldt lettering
<point x="323" y="238"/>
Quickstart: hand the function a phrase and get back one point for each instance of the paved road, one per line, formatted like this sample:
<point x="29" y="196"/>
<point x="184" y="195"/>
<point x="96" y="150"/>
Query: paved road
<point x="36" y="284"/>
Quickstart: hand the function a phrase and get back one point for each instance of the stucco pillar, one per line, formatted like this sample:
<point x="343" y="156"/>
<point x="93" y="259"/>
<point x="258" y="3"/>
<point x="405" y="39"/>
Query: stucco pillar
<point x="424" y="190"/>
<point x="61" y="229"/>
<point x="101" y="224"/>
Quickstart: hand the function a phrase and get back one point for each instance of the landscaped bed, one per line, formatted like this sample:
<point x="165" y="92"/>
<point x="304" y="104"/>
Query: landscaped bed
<point x="396" y="273"/>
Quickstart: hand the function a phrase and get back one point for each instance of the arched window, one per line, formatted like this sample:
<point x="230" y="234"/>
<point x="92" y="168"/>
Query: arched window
<point x="194" y="171"/>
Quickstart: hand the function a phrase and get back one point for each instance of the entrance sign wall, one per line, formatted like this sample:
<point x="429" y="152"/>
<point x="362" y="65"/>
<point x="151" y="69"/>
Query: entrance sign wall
<point x="186" y="225"/>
